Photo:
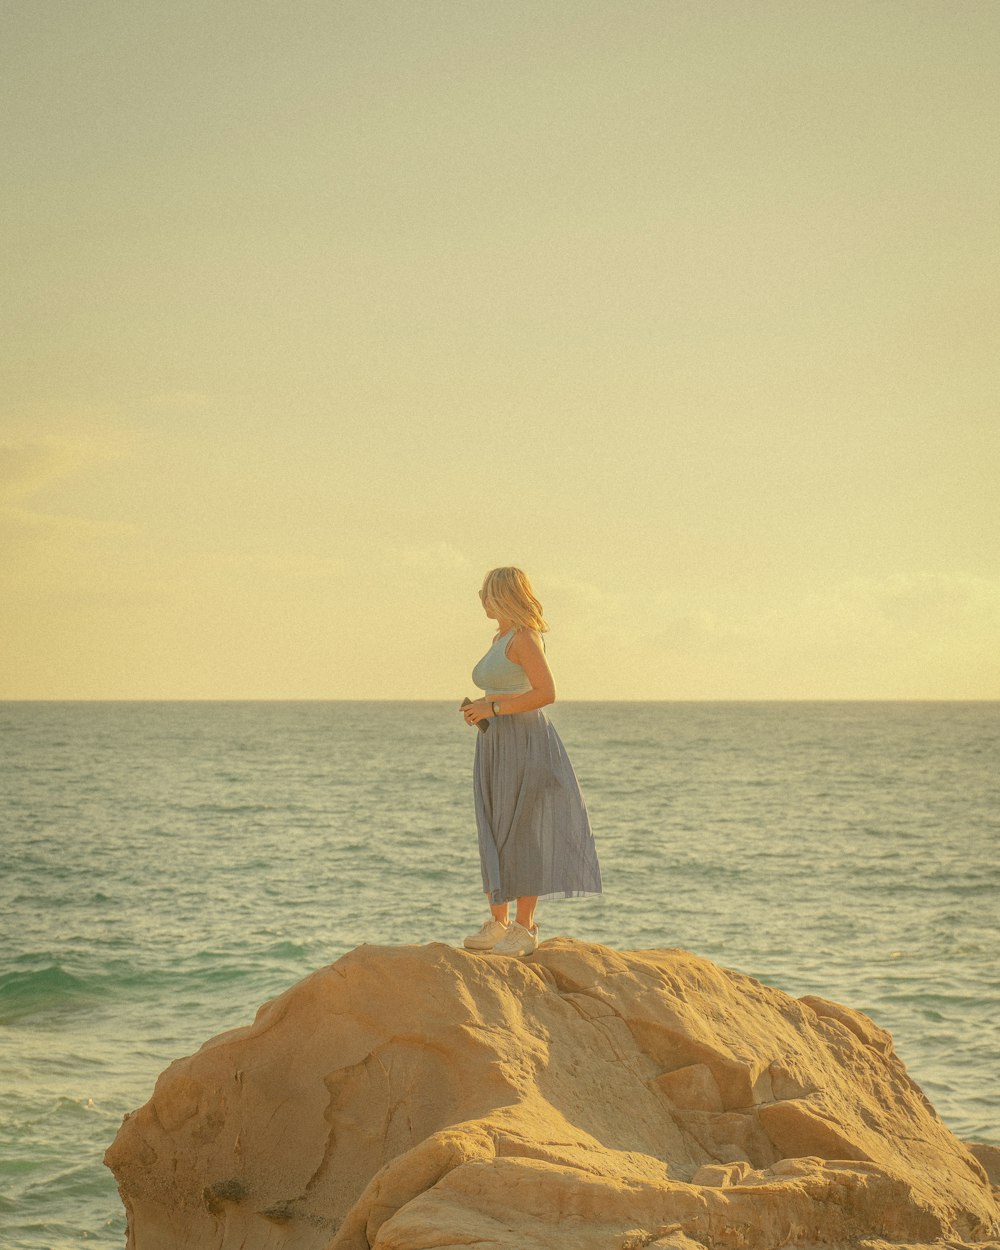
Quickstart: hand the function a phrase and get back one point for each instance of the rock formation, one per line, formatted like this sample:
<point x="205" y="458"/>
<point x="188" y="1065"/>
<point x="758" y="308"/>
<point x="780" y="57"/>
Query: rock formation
<point x="419" y="1097"/>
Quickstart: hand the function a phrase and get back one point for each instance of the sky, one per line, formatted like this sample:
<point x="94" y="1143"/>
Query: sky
<point x="316" y="312"/>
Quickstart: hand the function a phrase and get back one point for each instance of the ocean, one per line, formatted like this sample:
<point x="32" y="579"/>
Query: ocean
<point x="166" y="867"/>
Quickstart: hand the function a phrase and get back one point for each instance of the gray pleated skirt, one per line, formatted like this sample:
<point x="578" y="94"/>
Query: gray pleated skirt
<point x="534" y="831"/>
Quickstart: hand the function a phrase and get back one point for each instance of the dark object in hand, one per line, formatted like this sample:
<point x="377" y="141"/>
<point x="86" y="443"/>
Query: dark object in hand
<point x="481" y="725"/>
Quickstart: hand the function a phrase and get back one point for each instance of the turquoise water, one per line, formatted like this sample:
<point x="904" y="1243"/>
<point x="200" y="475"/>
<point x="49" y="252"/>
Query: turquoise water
<point x="167" y="867"/>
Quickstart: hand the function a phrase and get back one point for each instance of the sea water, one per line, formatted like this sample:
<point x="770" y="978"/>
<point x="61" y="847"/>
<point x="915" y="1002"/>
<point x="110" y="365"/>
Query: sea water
<point x="166" y="867"/>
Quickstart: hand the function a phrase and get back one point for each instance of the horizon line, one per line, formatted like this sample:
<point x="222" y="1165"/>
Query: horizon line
<point x="334" y="699"/>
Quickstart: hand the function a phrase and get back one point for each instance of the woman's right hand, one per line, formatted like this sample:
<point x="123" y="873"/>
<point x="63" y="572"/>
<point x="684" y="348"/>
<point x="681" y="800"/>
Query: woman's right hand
<point x="476" y="711"/>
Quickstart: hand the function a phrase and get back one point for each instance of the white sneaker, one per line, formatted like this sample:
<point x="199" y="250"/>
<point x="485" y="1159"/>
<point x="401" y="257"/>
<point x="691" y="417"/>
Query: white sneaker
<point x="487" y="937"/>
<point x="517" y="940"/>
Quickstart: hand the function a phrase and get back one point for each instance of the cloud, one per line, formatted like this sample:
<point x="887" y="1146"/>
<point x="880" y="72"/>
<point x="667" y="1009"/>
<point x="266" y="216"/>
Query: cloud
<point x="583" y="598"/>
<point x="906" y="606"/>
<point x="41" y="547"/>
<point x="698" y="630"/>
<point x="877" y="622"/>
<point x="20" y="526"/>
<point x="28" y="467"/>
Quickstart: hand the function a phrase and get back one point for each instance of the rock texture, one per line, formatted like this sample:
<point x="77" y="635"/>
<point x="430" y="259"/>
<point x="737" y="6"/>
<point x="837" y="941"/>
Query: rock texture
<point x="418" y="1097"/>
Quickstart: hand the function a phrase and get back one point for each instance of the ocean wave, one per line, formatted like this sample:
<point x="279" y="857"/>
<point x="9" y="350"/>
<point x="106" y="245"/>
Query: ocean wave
<point x="52" y="991"/>
<point x="45" y="989"/>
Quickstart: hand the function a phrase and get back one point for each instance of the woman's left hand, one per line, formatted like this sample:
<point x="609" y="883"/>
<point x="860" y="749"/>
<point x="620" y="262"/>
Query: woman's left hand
<point x="476" y="711"/>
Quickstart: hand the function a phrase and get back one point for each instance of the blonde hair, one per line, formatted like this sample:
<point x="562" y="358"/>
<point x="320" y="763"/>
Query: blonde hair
<point x="510" y="593"/>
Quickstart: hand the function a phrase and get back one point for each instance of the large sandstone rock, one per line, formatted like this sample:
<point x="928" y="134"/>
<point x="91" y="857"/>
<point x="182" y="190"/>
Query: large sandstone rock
<point x="582" y="1099"/>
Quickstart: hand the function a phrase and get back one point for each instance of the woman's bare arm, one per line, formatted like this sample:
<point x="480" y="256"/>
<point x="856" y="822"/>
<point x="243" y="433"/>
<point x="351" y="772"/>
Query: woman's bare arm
<point x="525" y="649"/>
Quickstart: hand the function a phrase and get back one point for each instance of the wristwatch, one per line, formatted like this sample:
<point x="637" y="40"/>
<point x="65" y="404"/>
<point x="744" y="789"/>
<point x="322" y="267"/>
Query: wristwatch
<point x="496" y="708"/>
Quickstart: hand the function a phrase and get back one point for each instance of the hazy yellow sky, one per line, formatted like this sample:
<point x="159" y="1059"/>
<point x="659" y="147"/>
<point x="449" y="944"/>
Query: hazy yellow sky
<point x="317" y="311"/>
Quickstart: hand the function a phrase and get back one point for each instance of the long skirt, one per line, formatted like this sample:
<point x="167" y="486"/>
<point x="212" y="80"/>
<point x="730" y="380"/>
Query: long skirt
<point x="534" y="831"/>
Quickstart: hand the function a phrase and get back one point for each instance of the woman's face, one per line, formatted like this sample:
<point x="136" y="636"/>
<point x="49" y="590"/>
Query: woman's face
<point x="487" y="606"/>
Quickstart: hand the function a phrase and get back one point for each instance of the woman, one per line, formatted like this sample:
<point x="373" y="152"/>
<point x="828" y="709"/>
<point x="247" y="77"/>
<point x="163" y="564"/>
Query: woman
<point x="534" y="834"/>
